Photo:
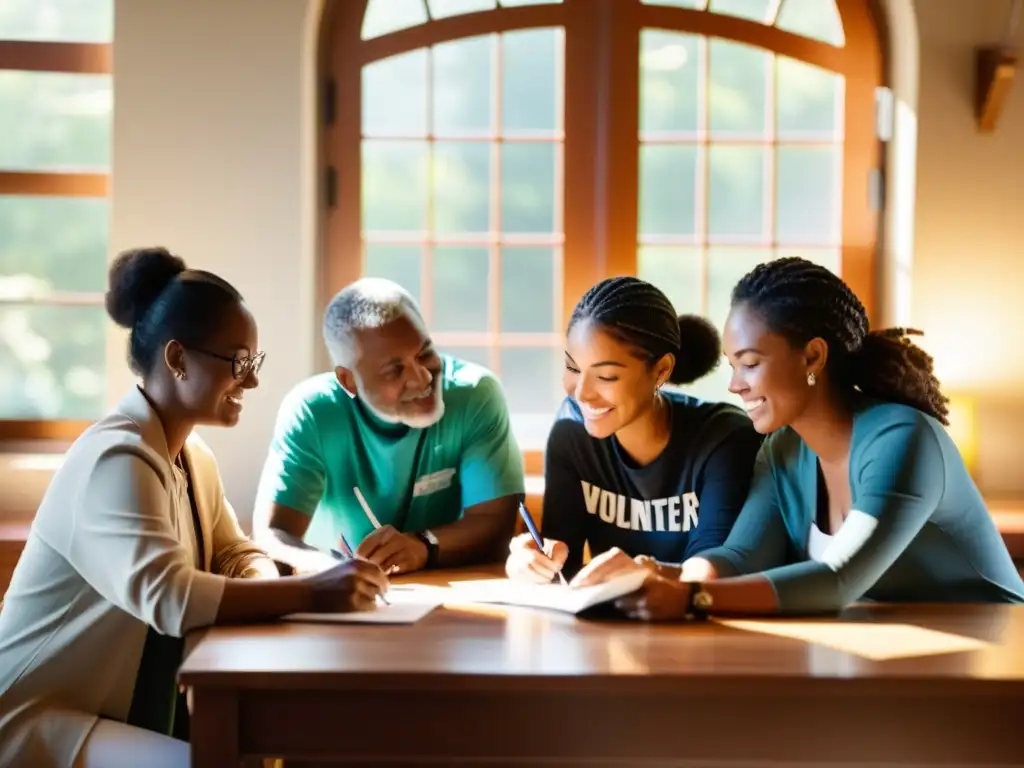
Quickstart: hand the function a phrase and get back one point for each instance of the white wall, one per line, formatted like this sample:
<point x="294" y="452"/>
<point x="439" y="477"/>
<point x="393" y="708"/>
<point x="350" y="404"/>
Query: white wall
<point x="214" y="156"/>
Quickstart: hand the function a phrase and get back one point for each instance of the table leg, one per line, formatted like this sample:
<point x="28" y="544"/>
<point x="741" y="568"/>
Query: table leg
<point x="213" y="728"/>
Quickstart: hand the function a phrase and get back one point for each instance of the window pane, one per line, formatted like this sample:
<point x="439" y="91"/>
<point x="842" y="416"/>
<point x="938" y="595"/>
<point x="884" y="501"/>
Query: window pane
<point x="53" y="244"/>
<point x="463" y="76"/>
<point x="809" y="101"/>
<point x="528" y="300"/>
<point x="478" y="355"/>
<point x="725" y="268"/>
<point x="818" y="19"/>
<point x="52" y="362"/>
<point x="54" y="120"/>
<point x="808" y="205"/>
<point x="530" y="81"/>
<point x="462" y="187"/>
<point x="736" y="192"/>
<point x="676" y="271"/>
<point x="670" y="81"/>
<point x="439" y="9"/>
<point x="383" y="16"/>
<point x="736" y="88"/>
<point x="400" y="263"/>
<point x="754" y="10"/>
<point x="668" y="178"/>
<point x="460" y="289"/>
<point x="528" y="187"/>
<point x="532" y="379"/>
<point x="394" y="185"/>
<point x="66" y="21"/>
<point x="395" y="95"/>
<point x="714" y="387"/>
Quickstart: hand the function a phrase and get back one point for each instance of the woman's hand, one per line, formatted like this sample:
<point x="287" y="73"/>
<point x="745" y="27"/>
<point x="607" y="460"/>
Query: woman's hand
<point x="349" y="586"/>
<point x="659" y="599"/>
<point x="610" y="564"/>
<point x="528" y="563"/>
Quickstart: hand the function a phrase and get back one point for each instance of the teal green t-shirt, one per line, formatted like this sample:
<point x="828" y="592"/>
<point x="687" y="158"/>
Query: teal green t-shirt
<point x="917" y="531"/>
<point x="326" y="443"/>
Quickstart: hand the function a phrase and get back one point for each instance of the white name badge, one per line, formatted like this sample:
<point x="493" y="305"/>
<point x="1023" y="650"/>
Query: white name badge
<point x="432" y="483"/>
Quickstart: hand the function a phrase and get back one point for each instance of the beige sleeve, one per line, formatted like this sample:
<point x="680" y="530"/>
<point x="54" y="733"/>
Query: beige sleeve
<point x="123" y="544"/>
<point x="234" y="553"/>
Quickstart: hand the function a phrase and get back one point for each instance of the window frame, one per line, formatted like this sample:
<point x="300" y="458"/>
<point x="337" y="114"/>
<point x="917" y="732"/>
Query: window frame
<point x="601" y="145"/>
<point x="63" y="57"/>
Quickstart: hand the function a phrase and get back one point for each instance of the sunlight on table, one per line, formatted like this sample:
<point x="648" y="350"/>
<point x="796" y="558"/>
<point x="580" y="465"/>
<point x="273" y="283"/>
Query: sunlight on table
<point x="878" y="642"/>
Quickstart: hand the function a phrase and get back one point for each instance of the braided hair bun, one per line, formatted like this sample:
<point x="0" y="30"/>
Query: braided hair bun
<point x="802" y="300"/>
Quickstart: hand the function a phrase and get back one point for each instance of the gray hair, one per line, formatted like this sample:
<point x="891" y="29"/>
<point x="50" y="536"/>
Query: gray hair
<point x="369" y="302"/>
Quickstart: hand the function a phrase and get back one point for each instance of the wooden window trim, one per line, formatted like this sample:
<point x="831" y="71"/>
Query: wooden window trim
<point x="73" y="58"/>
<point x="601" y="239"/>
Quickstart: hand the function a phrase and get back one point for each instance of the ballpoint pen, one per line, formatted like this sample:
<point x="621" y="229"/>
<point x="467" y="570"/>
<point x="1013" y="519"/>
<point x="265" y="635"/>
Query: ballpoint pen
<point x="347" y="553"/>
<point x="532" y="528"/>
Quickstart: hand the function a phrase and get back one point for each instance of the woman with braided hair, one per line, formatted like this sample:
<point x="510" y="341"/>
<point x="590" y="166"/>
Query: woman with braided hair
<point x="858" y="491"/>
<point x="631" y="467"/>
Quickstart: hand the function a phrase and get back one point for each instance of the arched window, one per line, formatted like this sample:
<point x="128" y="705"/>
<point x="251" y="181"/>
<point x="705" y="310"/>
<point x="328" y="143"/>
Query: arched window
<point x="55" y="116"/>
<point x="498" y="157"/>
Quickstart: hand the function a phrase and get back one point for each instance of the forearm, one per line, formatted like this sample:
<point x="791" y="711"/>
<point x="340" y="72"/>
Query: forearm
<point x="476" y="538"/>
<point x="247" y="600"/>
<point x="751" y="595"/>
<point x="293" y="551"/>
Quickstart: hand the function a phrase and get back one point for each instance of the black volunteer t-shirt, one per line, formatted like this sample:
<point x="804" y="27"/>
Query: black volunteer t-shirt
<point x="682" y="503"/>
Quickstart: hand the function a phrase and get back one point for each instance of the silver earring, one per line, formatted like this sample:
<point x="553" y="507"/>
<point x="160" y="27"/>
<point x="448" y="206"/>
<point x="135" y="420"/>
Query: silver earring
<point x="179" y="375"/>
<point x="811" y="380"/>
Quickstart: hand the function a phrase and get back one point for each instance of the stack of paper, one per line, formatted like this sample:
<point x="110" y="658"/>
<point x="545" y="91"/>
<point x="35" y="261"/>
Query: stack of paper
<point x="554" y="596"/>
<point x="407" y="605"/>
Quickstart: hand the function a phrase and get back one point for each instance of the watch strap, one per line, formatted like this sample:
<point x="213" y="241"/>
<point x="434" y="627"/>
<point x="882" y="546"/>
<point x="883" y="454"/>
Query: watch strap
<point x="430" y="541"/>
<point x="696" y="602"/>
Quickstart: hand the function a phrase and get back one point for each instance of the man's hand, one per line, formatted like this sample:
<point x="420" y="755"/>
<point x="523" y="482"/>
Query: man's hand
<point x="393" y="551"/>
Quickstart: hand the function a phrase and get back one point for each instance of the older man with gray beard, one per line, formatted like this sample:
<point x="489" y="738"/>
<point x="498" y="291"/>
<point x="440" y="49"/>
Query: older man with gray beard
<point x="400" y="454"/>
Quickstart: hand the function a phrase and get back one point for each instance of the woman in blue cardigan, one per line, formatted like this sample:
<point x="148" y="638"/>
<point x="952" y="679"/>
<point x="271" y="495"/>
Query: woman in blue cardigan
<point x="858" y="490"/>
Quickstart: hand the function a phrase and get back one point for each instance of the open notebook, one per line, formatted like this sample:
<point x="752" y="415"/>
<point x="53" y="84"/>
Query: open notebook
<point x="555" y="596"/>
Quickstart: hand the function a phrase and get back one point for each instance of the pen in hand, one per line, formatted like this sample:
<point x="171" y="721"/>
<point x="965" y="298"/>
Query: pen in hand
<point x="535" y="535"/>
<point x="345" y="552"/>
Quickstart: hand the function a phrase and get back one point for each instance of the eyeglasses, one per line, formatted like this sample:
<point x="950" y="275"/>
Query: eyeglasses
<point x="241" y="367"/>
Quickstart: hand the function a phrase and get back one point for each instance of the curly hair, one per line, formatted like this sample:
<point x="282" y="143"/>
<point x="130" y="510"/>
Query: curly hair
<point x="802" y="300"/>
<point x="153" y="293"/>
<point x="638" y="314"/>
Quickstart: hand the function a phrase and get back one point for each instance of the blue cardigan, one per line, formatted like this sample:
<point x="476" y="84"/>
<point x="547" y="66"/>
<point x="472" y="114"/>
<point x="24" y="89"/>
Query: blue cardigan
<point x="918" y="529"/>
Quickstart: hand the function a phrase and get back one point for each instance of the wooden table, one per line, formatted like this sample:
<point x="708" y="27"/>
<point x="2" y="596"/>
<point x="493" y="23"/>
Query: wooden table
<point x="490" y="685"/>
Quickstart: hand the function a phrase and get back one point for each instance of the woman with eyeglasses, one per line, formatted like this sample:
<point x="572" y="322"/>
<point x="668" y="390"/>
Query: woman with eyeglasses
<point x="134" y="543"/>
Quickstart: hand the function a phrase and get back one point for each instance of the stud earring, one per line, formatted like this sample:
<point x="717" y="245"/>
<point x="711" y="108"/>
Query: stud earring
<point x="179" y="375"/>
<point x="811" y="379"/>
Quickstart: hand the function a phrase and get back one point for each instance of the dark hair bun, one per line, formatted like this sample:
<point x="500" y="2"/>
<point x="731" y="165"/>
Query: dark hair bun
<point x="136" y="279"/>
<point x="700" y="350"/>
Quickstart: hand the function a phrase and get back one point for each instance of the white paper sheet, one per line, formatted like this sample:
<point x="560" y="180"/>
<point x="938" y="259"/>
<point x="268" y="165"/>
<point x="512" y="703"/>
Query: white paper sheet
<point x="553" y="596"/>
<point x="408" y="604"/>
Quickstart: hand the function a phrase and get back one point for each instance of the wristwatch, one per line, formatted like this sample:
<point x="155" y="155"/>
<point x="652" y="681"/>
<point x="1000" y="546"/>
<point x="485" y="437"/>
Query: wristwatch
<point x="698" y="603"/>
<point x="430" y="540"/>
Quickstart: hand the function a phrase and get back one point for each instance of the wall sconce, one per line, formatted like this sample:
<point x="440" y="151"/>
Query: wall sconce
<point x="963" y="428"/>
